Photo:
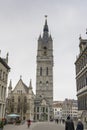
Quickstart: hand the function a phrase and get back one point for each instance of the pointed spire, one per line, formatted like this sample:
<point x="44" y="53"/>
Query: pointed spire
<point x="46" y="26"/>
<point x="39" y="38"/>
<point x="0" y="52"/>
<point x="50" y="38"/>
<point x="10" y="85"/>
<point x="7" y="57"/>
<point x="86" y="30"/>
<point x="20" y="76"/>
<point x="30" y="85"/>
<point x="80" y="37"/>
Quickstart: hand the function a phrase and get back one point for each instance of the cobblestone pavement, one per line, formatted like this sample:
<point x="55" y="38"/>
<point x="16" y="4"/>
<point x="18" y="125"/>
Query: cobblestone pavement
<point x="16" y="127"/>
<point x="35" y="126"/>
<point x="49" y="126"/>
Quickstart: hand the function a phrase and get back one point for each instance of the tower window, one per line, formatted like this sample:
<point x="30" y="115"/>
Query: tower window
<point x="40" y="71"/>
<point x="40" y="83"/>
<point x="47" y="83"/>
<point x="86" y="80"/>
<point x="47" y="71"/>
<point x="45" y="50"/>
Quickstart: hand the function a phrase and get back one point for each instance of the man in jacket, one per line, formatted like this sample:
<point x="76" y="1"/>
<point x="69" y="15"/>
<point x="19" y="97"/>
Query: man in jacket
<point x="69" y="124"/>
<point x="79" y="125"/>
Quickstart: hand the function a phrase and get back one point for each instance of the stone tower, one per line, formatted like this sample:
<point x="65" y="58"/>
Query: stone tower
<point x="44" y="70"/>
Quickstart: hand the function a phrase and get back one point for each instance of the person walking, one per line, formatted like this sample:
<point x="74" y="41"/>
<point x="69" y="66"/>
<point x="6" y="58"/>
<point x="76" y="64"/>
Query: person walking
<point x="80" y="125"/>
<point x="28" y="123"/>
<point x="69" y="124"/>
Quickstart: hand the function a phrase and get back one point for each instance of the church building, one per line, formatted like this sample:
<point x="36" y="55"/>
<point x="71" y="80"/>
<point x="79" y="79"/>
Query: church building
<point x="21" y="100"/>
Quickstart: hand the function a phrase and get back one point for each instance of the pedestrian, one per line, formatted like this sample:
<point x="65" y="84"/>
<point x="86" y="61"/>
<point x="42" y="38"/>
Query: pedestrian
<point x="1" y="124"/>
<point x="80" y="125"/>
<point x="57" y="121"/>
<point x="69" y="124"/>
<point x="28" y="123"/>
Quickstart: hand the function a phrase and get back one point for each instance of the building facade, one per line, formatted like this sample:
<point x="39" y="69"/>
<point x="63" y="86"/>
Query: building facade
<point x="21" y="100"/>
<point x="70" y="107"/>
<point x="81" y="79"/>
<point x="44" y="76"/>
<point x="57" y="107"/>
<point x="4" y="70"/>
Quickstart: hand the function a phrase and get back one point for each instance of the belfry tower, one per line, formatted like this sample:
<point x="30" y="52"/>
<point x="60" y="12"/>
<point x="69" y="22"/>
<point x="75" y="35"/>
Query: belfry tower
<point x="44" y="70"/>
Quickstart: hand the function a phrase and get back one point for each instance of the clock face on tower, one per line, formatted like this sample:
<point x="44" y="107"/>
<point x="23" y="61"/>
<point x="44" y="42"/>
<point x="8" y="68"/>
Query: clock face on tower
<point x="44" y="50"/>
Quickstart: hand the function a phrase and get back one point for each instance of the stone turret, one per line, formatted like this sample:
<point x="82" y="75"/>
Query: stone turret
<point x="10" y="87"/>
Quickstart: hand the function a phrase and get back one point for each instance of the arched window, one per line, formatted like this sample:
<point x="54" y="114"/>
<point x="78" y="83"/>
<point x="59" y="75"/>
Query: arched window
<point x="25" y="99"/>
<point x="47" y="83"/>
<point x="19" y="99"/>
<point x="40" y="71"/>
<point x="40" y="83"/>
<point x="86" y="80"/>
<point x="0" y="74"/>
<point x="47" y="71"/>
<point x="2" y="89"/>
<point x="45" y="50"/>
<point x="3" y="75"/>
<point x="13" y="99"/>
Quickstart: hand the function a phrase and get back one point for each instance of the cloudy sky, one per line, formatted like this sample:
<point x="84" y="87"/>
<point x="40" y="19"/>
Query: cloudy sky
<point x="21" y="23"/>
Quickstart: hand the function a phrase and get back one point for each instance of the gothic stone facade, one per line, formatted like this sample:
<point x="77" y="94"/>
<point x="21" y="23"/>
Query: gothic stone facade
<point x="44" y="77"/>
<point x="21" y="100"/>
<point x="4" y="70"/>
<point x="81" y="79"/>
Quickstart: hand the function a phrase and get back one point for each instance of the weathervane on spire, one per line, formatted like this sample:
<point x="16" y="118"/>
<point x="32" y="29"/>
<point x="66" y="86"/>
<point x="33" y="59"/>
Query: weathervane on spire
<point x="46" y="16"/>
<point x="45" y="26"/>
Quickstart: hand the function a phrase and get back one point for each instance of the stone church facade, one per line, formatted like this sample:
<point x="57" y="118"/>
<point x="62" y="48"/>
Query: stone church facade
<point x="21" y="100"/>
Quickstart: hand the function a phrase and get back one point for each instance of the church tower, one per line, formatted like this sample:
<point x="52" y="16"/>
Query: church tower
<point x="44" y="70"/>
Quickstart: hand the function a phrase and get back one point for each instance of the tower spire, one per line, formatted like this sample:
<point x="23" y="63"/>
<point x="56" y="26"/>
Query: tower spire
<point x="46" y="26"/>
<point x="86" y="30"/>
<point x="30" y="85"/>
<point x="10" y="87"/>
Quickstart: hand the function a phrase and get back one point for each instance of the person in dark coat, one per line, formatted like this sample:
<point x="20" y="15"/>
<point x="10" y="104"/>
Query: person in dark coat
<point x="69" y="124"/>
<point x="80" y="125"/>
<point x="28" y="123"/>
